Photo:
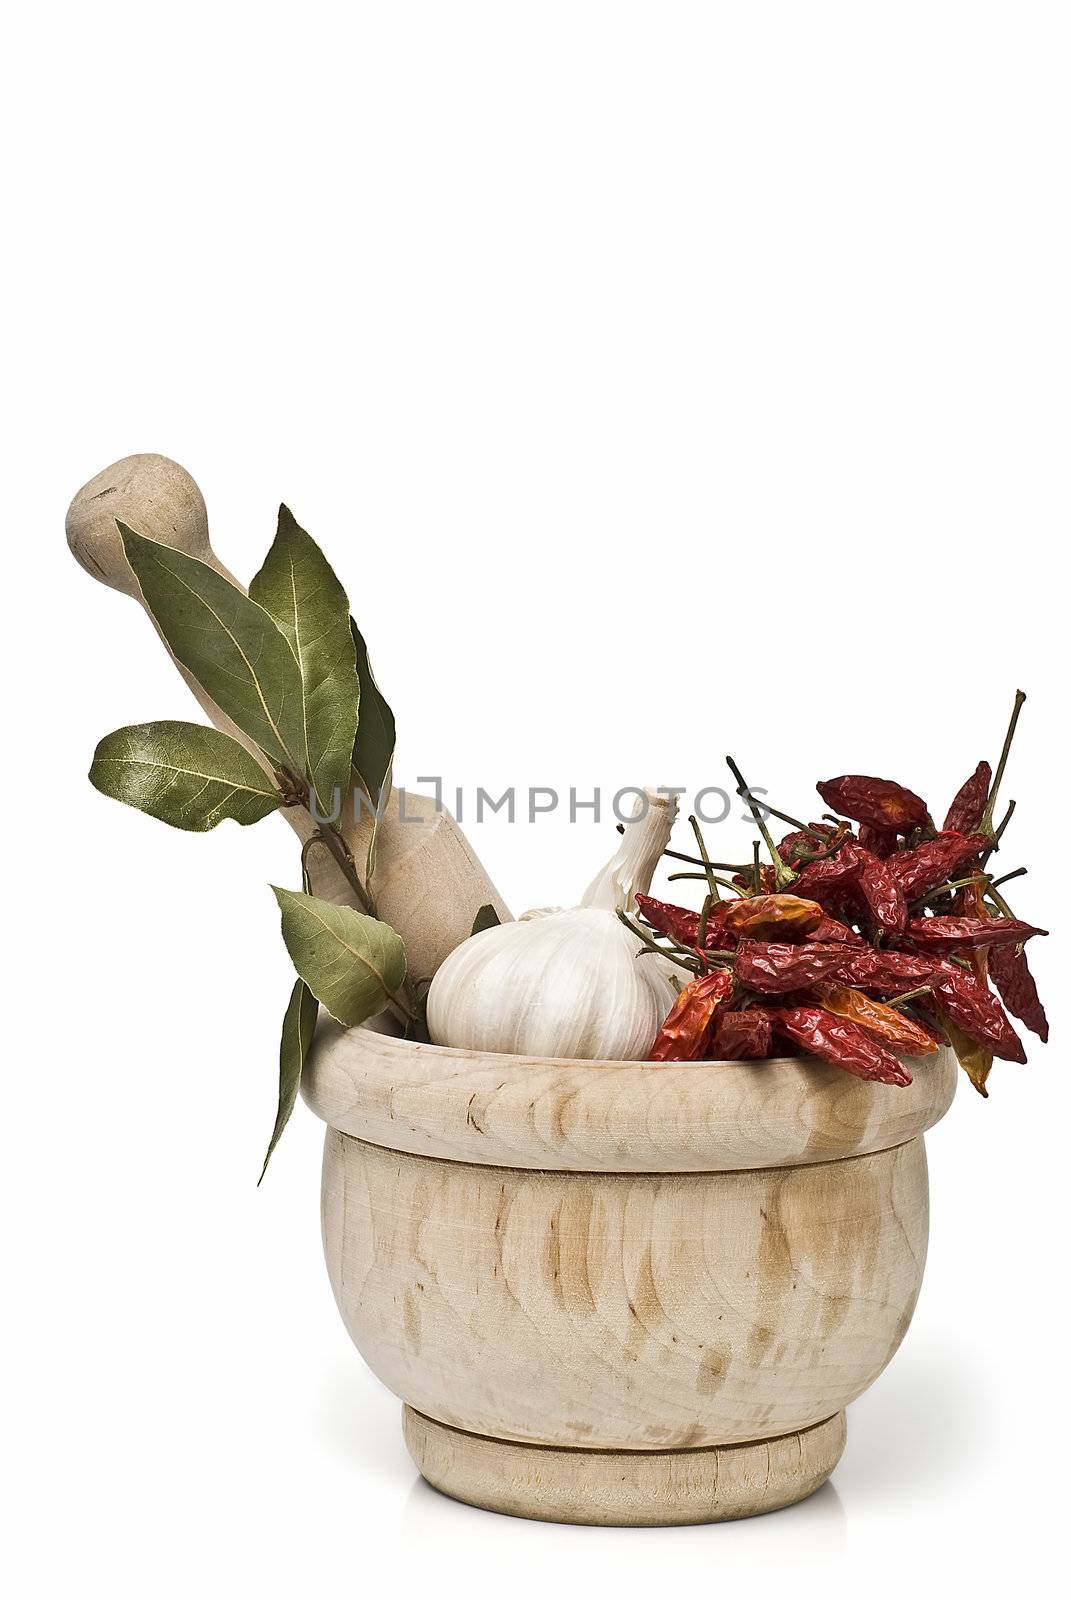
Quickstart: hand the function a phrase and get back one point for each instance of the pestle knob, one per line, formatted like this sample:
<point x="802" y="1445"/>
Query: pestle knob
<point x="156" y="497"/>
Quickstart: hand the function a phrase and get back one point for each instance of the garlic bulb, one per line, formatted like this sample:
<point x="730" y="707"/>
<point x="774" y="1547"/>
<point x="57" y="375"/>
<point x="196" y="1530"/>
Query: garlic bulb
<point x="565" y="983"/>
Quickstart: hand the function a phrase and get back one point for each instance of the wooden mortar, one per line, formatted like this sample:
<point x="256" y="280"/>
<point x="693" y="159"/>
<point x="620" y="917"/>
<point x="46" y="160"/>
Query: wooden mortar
<point x="621" y="1293"/>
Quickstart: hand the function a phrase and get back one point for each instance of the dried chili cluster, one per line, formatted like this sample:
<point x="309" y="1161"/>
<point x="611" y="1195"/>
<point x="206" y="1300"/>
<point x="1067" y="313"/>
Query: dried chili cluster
<point x="869" y="936"/>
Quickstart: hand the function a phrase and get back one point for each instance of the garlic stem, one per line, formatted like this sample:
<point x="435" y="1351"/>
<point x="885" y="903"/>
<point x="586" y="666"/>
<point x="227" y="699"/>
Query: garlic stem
<point x="630" y="871"/>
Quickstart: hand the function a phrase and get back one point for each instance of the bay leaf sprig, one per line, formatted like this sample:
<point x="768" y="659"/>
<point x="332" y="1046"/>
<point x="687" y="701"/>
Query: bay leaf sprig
<point x="353" y="963"/>
<point x="228" y="643"/>
<point x="373" y="746"/>
<point x="299" y="1025"/>
<point x="299" y="591"/>
<point x="184" y="774"/>
<point x="289" y="668"/>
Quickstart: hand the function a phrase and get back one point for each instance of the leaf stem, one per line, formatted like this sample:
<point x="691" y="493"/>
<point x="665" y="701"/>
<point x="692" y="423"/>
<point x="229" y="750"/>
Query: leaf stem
<point x="405" y="1005"/>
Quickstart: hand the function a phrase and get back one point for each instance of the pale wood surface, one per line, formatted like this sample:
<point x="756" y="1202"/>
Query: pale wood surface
<point x="428" y="884"/>
<point x="647" y="1488"/>
<point x="624" y="1311"/>
<point x="522" y="1111"/>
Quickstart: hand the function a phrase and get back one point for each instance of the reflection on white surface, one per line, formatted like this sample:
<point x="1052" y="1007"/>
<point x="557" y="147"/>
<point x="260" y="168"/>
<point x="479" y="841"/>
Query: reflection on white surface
<point x="906" y="1476"/>
<point x="908" y="1434"/>
<point x="915" y="1427"/>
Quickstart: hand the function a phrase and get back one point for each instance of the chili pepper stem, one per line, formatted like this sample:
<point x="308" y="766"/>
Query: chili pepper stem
<point x="643" y="935"/>
<point x="999" y="901"/>
<point x="793" y="822"/>
<point x="947" y="888"/>
<point x="987" y="815"/>
<point x="912" y="994"/>
<point x="704" y="916"/>
<point x="694" y="861"/>
<point x="1007" y="818"/>
<point x="783" y="875"/>
<point x="994" y="843"/>
<point x="1020" y="872"/>
<point x="704" y="877"/>
<point x="712" y="882"/>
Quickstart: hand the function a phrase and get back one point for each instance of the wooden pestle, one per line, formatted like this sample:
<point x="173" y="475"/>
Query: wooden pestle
<point x="428" y="882"/>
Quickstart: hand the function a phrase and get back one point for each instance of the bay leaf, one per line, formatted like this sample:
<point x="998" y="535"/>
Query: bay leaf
<point x="184" y="774"/>
<point x="353" y="963"/>
<point x="373" y="748"/>
<point x="230" y="645"/>
<point x="299" y="1025"/>
<point x="298" y="589"/>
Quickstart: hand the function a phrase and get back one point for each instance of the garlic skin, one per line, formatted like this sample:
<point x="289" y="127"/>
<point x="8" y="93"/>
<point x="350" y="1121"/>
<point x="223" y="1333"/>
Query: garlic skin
<point x="565" y="984"/>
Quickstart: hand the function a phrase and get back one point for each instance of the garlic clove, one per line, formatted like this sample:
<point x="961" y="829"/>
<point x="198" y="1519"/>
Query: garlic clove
<point x="630" y="871"/>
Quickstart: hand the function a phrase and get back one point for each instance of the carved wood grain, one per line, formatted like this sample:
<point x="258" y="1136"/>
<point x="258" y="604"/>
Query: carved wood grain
<point x="611" y="1116"/>
<point x="624" y="1311"/>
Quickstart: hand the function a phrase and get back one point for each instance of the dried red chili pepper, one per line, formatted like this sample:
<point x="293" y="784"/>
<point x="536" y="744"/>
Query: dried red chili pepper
<point x="780" y="968"/>
<point x="878" y="802"/>
<point x="801" y="843"/>
<point x="967" y="809"/>
<point x="949" y="935"/>
<point x="765" y="914"/>
<point x="676" y="921"/>
<point x="929" y="864"/>
<point x="742" y="1035"/>
<point x="830" y="878"/>
<point x="881" y="842"/>
<point x="854" y="871"/>
<point x="967" y="999"/>
<point x="975" y="1059"/>
<point x="840" y="1042"/>
<point x="889" y="1025"/>
<point x="880" y="892"/>
<point x="767" y="880"/>
<point x="1015" y="984"/>
<point x="682" y="925"/>
<point x="892" y="971"/>
<point x="684" y="1033"/>
<point x="830" y="931"/>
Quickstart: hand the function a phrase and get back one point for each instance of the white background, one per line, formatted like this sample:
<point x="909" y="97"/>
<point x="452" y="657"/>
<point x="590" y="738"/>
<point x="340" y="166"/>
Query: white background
<point x="663" y="380"/>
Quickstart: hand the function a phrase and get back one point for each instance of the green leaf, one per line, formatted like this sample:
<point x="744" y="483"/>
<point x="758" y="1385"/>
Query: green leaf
<point x="299" y="1025"/>
<point x="352" y="963"/>
<point x="486" y="917"/>
<point x="298" y="589"/>
<point x="230" y="645"/>
<point x="187" y="775"/>
<point x="373" y="749"/>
